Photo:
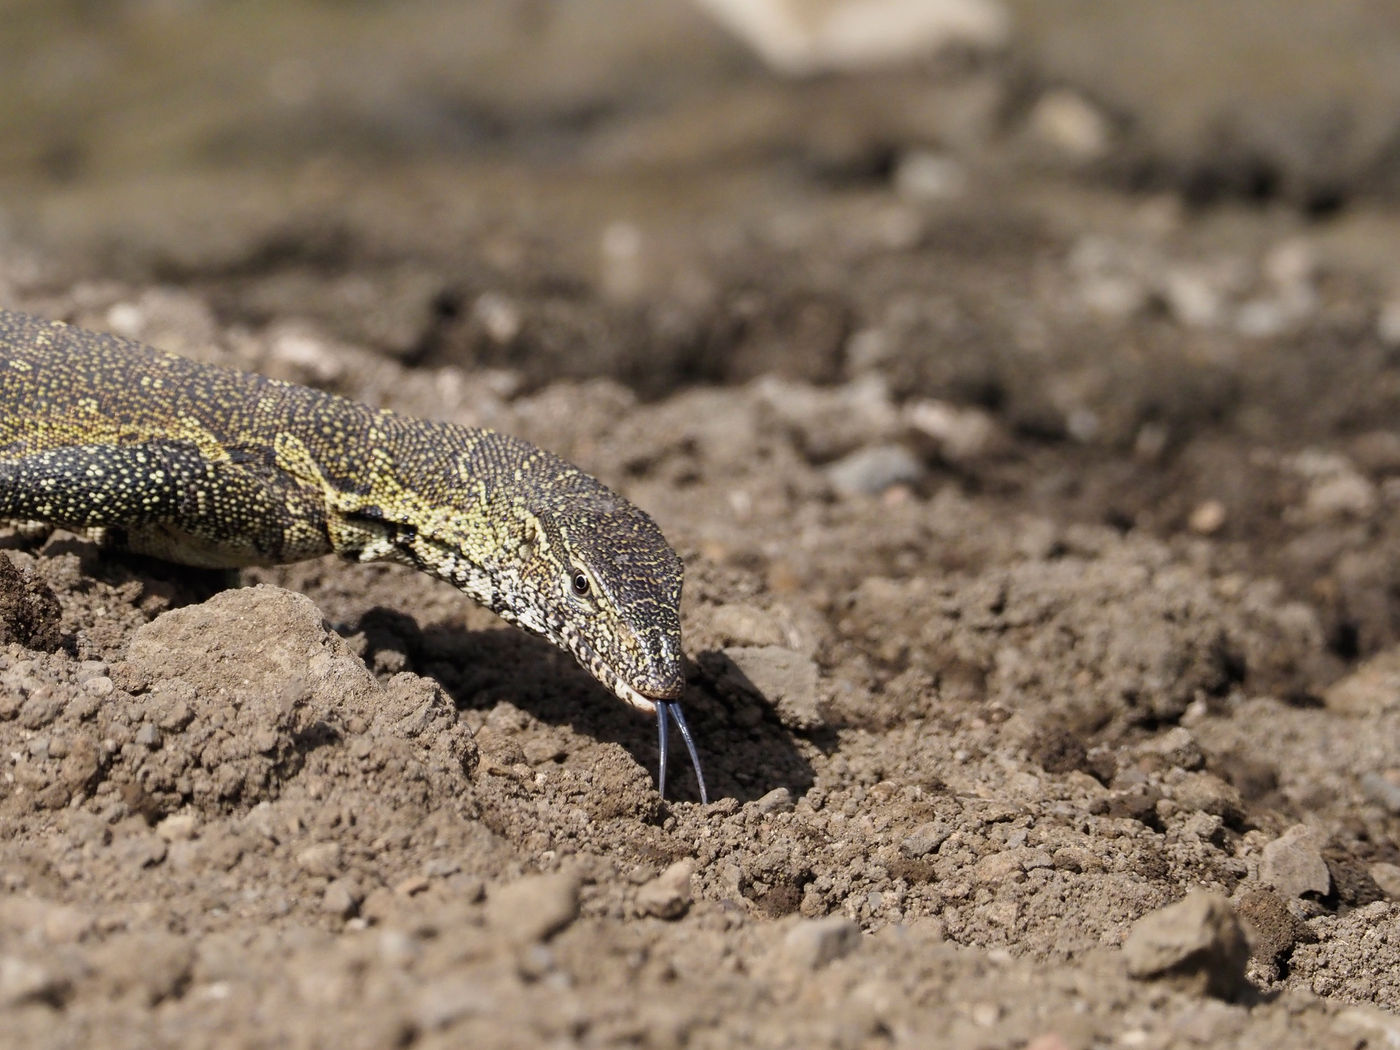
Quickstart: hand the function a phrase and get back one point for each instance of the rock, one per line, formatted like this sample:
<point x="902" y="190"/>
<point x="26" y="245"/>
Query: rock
<point x="925" y="840"/>
<point x="1112" y="279"/>
<point x="404" y="297"/>
<point x="303" y="354"/>
<point x="1387" y="877"/>
<point x="50" y="922"/>
<point x="813" y="943"/>
<point x="29" y="612"/>
<point x="499" y="316"/>
<point x="1293" y="864"/>
<point x="446" y="1000"/>
<point x="668" y="896"/>
<point x="1193" y="296"/>
<point x="954" y="433"/>
<point x="323" y="859"/>
<point x="1068" y="124"/>
<point x="1263" y="318"/>
<point x="1208" y="518"/>
<point x="169" y="318"/>
<point x="625" y="264"/>
<point x="998" y="867"/>
<point x="785" y="678"/>
<point x="41" y="707"/>
<point x="1273" y="929"/>
<point x="802" y="37"/>
<point x="779" y="800"/>
<point x="1370" y="689"/>
<point x="741" y="624"/>
<point x="1335" y="488"/>
<point x="1176" y="748"/>
<point x="1388" y="323"/>
<point x="342" y="898"/>
<point x="178" y="827"/>
<point x="534" y="908"/>
<point x="1383" y="788"/>
<point x="926" y="175"/>
<point x="1344" y="495"/>
<point x="1196" y="944"/>
<point x="412" y="885"/>
<point x="1376" y="1027"/>
<point x="870" y="471"/>
<point x="25" y="981"/>
<point x="149" y="967"/>
<point x="828" y="422"/>
<point x="141" y="850"/>
<point x="1207" y="793"/>
<point x="99" y="686"/>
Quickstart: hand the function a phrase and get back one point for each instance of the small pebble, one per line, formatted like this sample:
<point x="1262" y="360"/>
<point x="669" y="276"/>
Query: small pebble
<point x="341" y="898"/>
<point x="869" y="471"/>
<point x="25" y="981"/>
<point x="925" y="840"/>
<point x="668" y="896"/>
<point x="1388" y="323"/>
<point x="924" y="175"/>
<point x="1293" y="864"/>
<point x="441" y="867"/>
<point x="997" y="867"/>
<point x="1383" y="788"/>
<point x="447" y="1000"/>
<point x="1371" y="689"/>
<point x="99" y="686"/>
<point x="784" y="677"/>
<point x="1208" y="518"/>
<point x="1066" y="122"/>
<point x="1274" y="931"/>
<point x="779" y="800"/>
<point x="1196" y="944"/>
<point x="535" y="907"/>
<point x="178" y="827"/>
<point x="1387" y="877"/>
<point x="323" y="858"/>
<point x="813" y="943"/>
<point x="955" y="433"/>
<point x="741" y="624"/>
<point x="412" y="885"/>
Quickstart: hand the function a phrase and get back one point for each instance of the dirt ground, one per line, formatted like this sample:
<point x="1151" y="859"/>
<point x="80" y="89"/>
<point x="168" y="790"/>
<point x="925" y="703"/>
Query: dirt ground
<point x="1030" y="431"/>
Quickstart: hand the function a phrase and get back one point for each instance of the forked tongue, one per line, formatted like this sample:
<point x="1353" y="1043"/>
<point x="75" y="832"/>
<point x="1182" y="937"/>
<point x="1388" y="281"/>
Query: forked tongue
<point x="665" y="711"/>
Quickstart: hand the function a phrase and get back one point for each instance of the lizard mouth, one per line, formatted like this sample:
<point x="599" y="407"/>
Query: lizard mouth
<point x="644" y="694"/>
<point x="666" y="708"/>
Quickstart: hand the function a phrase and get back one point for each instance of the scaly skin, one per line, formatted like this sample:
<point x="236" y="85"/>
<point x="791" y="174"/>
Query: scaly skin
<point x="215" y="468"/>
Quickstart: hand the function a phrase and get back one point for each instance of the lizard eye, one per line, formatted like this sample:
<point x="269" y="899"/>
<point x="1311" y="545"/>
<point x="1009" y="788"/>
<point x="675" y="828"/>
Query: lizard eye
<point x="579" y="581"/>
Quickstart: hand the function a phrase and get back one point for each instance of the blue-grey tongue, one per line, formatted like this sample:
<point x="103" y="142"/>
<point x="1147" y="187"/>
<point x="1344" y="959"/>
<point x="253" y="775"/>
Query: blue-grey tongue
<point x="665" y="712"/>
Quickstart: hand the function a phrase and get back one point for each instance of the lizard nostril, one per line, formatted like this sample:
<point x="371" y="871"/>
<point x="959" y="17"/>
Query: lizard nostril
<point x="665" y="680"/>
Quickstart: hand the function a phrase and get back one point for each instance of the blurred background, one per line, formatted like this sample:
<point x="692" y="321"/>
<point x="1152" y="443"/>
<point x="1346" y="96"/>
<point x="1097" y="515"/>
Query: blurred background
<point x="1133" y="242"/>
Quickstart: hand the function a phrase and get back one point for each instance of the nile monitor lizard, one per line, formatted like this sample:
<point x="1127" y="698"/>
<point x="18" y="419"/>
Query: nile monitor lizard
<point x="216" y="468"/>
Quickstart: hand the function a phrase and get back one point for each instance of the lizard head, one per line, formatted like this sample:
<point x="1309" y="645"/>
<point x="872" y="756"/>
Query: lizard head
<point x="609" y="590"/>
<point x="561" y="555"/>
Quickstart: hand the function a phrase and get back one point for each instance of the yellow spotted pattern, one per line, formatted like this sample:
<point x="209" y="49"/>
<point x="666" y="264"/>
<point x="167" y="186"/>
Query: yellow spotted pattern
<point x="211" y="467"/>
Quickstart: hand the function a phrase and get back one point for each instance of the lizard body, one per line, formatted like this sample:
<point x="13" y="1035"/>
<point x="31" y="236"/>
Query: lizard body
<point x="211" y="467"/>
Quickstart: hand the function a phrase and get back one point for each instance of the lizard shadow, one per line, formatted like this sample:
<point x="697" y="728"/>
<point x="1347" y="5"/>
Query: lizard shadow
<point x="744" y="749"/>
